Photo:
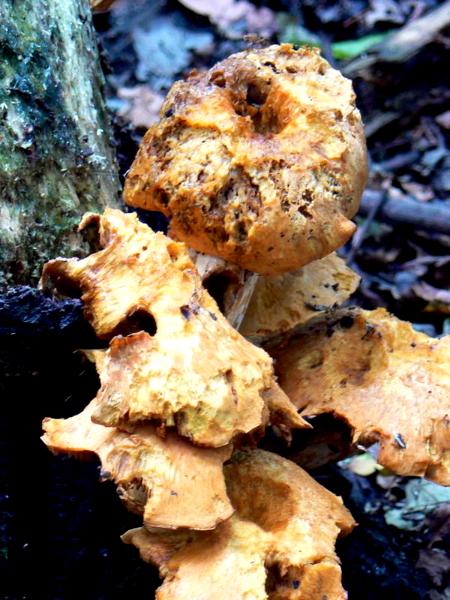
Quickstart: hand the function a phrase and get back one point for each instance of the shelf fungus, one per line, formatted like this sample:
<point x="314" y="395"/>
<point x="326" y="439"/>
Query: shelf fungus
<point x="168" y="480"/>
<point x="173" y="357"/>
<point x="229" y="285"/>
<point x="389" y="383"/>
<point x="278" y="545"/>
<point x="282" y="302"/>
<point x="261" y="160"/>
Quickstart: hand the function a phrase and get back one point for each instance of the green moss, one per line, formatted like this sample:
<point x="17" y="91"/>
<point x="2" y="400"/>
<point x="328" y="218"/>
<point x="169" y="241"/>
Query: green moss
<point x="56" y="159"/>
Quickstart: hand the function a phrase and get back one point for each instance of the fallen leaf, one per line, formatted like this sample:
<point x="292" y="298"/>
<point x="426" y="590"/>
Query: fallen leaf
<point x="444" y="119"/>
<point x="362" y="464"/>
<point x="142" y="105"/>
<point x="348" y="49"/>
<point x="421" y="192"/>
<point x="436" y="562"/>
<point x="421" y="498"/>
<point x="439" y="299"/>
<point x="164" y="50"/>
<point x="385" y="11"/>
<point x="227" y="13"/>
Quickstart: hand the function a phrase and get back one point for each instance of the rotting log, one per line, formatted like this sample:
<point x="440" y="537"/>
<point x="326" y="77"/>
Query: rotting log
<point x="56" y="155"/>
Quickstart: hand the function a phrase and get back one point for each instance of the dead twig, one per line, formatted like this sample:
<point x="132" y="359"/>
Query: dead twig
<point x="361" y="232"/>
<point x="432" y="216"/>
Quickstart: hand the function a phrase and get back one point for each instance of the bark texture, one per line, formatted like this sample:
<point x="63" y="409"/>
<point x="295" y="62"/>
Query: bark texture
<point x="56" y="156"/>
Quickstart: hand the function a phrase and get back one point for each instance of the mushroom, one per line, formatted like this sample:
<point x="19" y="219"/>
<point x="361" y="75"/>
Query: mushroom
<point x="389" y="383"/>
<point x="167" y="480"/>
<point x="282" y="302"/>
<point x="261" y="160"/>
<point x="191" y="370"/>
<point x="230" y="286"/>
<point x="278" y="544"/>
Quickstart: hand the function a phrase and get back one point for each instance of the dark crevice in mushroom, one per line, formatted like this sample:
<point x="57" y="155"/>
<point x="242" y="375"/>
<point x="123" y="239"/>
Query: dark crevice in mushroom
<point x="140" y="320"/>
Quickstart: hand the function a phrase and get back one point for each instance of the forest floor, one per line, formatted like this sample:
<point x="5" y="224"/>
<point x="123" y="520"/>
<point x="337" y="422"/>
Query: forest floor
<point x="60" y="529"/>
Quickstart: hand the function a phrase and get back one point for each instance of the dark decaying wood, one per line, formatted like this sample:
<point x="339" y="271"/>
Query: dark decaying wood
<point x="56" y="156"/>
<point x="60" y="528"/>
<point x="431" y="216"/>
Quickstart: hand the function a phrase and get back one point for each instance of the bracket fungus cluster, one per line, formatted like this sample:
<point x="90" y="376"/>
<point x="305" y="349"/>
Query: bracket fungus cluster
<point x="391" y="385"/>
<point x="259" y="164"/>
<point x="279" y="543"/>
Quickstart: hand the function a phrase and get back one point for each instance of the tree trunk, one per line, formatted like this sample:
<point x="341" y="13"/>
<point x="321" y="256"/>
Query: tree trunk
<point x="56" y="156"/>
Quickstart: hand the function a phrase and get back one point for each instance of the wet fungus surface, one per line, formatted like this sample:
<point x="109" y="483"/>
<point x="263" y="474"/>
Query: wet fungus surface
<point x="261" y="160"/>
<point x="389" y="383"/>
<point x="278" y="544"/>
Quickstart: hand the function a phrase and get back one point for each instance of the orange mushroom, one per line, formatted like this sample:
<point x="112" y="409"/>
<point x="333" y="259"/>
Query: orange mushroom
<point x="279" y="544"/>
<point x="389" y="383"/>
<point x="194" y="372"/>
<point x="167" y="480"/>
<point x="261" y="160"/>
<point x="282" y="302"/>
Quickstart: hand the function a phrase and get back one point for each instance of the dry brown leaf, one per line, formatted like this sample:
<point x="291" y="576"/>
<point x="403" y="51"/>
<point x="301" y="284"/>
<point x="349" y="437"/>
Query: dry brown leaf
<point x="101" y="5"/>
<point x="281" y="302"/>
<point x="142" y="105"/>
<point x="196" y="372"/>
<point x="390" y="383"/>
<point x="226" y="13"/>
<point x="261" y="160"/>
<point x="278" y="545"/>
<point x="167" y="480"/>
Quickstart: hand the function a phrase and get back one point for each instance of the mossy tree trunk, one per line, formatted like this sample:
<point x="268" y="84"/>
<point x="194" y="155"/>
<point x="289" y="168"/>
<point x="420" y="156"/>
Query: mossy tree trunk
<point x="56" y="156"/>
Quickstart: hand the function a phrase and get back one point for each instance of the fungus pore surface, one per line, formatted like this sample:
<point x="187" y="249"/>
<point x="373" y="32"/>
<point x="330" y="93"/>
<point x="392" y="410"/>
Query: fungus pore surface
<point x="167" y="480"/>
<point x="282" y="302"/>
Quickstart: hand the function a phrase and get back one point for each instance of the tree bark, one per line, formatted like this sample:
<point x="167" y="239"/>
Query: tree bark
<point x="56" y="155"/>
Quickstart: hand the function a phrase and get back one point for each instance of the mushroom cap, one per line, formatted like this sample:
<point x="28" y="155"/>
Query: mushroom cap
<point x="389" y="383"/>
<point x="282" y="302"/>
<point x="167" y="480"/>
<point x="261" y="160"/>
<point x="193" y="371"/>
<point x="278" y="544"/>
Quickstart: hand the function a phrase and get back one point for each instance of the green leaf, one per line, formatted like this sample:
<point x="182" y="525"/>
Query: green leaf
<point x="351" y="48"/>
<point x="293" y="33"/>
<point x="421" y="498"/>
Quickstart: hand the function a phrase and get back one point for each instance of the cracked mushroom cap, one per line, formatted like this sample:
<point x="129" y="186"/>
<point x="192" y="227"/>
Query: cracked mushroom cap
<point x="278" y="545"/>
<point x="167" y="480"/>
<point x="282" y="302"/>
<point x="192" y="371"/>
<point x="261" y="160"/>
<point x="389" y="383"/>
